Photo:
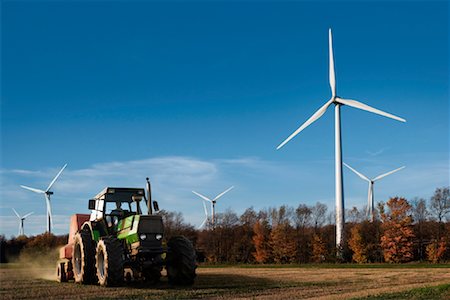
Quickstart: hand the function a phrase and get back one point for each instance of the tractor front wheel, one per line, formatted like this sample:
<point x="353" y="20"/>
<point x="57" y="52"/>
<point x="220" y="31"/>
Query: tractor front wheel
<point x="180" y="263"/>
<point x="61" y="275"/>
<point x="83" y="259"/>
<point x="110" y="271"/>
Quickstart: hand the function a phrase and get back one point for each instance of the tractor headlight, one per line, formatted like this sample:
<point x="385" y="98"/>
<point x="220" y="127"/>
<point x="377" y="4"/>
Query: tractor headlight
<point x="143" y="236"/>
<point x="158" y="237"/>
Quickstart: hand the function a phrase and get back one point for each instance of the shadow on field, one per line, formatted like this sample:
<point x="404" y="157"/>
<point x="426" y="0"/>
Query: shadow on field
<point x="235" y="283"/>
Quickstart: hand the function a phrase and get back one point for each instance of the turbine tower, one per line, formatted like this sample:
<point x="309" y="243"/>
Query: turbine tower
<point x="213" y="202"/>
<point x="338" y="102"/>
<point x="47" y="193"/>
<point x="21" y="219"/>
<point x="370" y="197"/>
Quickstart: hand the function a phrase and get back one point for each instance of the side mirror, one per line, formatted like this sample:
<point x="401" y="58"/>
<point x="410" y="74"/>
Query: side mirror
<point x="91" y="205"/>
<point x="155" y="206"/>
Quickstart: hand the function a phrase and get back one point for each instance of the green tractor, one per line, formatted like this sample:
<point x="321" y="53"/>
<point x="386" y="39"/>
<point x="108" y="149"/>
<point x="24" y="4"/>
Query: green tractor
<point x="119" y="243"/>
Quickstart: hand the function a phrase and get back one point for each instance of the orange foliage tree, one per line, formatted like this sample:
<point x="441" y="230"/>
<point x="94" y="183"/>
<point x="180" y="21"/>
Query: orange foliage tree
<point x="435" y="251"/>
<point x="357" y="245"/>
<point x="398" y="234"/>
<point x="283" y="243"/>
<point x="260" y="239"/>
<point x="319" y="249"/>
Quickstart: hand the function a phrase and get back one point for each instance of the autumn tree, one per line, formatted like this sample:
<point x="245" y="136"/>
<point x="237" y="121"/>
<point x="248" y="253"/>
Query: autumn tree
<point x="243" y="246"/>
<point x="283" y="244"/>
<point x="260" y="239"/>
<point x="396" y="240"/>
<point x="357" y="245"/>
<point x="435" y="251"/>
<point x="364" y="242"/>
<point x="319" y="250"/>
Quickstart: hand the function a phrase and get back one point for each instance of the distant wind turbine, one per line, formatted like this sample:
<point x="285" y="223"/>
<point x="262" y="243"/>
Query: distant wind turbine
<point x="338" y="102"/>
<point x="47" y="193"/>
<point x="21" y="219"/>
<point x="213" y="202"/>
<point x="370" y="196"/>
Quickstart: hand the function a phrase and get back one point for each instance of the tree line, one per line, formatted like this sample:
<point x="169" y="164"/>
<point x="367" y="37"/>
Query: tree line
<point x="402" y="231"/>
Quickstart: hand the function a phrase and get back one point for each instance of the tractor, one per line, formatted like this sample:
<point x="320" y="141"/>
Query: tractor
<point x="118" y="243"/>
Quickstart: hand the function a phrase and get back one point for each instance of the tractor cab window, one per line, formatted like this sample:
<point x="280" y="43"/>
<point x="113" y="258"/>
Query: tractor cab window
<point x="116" y="211"/>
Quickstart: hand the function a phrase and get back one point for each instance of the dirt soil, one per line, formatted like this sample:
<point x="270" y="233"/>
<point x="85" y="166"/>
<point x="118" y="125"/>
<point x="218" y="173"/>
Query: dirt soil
<point x="20" y="282"/>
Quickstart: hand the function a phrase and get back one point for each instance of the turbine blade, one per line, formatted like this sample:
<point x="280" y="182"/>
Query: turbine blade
<point x="201" y="196"/>
<point x="223" y="193"/>
<point x="332" y="73"/>
<point x="206" y="211"/>
<point x="356" y="104"/>
<point x="388" y="173"/>
<point x="56" y="177"/>
<point x="357" y="173"/>
<point x="33" y="189"/>
<point x="27" y="215"/>
<point x="312" y="119"/>
<point x="203" y="223"/>
<point x="16" y="213"/>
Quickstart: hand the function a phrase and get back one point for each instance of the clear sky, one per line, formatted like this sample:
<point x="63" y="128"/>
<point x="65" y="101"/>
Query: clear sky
<point x="197" y="95"/>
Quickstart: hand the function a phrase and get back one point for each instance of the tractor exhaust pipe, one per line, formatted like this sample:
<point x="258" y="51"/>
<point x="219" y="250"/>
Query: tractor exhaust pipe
<point x="149" y="197"/>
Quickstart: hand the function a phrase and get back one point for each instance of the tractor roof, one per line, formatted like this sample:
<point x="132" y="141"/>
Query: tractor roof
<point x="113" y="194"/>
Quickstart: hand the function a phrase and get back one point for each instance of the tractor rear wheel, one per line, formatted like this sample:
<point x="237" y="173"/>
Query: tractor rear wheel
<point x="83" y="259"/>
<point x="180" y="263"/>
<point x="110" y="271"/>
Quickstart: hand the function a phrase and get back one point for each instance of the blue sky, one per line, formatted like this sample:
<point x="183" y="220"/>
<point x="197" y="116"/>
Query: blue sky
<point x="197" y="95"/>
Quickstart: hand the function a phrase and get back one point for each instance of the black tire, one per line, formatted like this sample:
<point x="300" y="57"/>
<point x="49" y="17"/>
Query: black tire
<point x="109" y="262"/>
<point x="180" y="263"/>
<point x="61" y="275"/>
<point x="83" y="260"/>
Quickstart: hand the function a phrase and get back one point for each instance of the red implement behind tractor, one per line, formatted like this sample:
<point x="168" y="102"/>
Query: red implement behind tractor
<point x="64" y="271"/>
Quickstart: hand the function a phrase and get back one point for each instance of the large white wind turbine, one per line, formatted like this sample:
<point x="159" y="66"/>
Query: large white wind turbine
<point x="21" y="219"/>
<point x="47" y="194"/>
<point x="370" y="197"/>
<point x="338" y="102"/>
<point x="213" y="202"/>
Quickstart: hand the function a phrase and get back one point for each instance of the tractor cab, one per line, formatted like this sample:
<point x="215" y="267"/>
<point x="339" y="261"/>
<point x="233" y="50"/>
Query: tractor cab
<point x="114" y="204"/>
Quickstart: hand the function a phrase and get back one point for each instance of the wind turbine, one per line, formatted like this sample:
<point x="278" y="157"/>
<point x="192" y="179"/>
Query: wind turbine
<point x="47" y="193"/>
<point x="370" y="202"/>
<point x="338" y="102"/>
<point x="21" y="219"/>
<point x="213" y="202"/>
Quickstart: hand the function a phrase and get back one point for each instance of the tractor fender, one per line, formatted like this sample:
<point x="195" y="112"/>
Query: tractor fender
<point x="88" y="226"/>
<point x="95" y="229"/>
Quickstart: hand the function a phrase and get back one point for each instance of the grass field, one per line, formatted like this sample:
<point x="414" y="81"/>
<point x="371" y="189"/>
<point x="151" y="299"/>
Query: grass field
<point x="310" y="282"/>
